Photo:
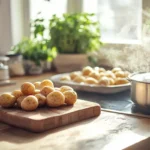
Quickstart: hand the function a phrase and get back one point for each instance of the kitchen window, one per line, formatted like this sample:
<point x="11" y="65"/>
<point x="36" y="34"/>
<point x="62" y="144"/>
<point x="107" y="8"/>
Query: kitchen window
<point x="120" y="21"/>
<point x="46" y="8"/>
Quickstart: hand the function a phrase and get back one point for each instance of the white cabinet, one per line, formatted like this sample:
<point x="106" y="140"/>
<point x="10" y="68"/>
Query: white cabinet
<point x="5" y="27"/>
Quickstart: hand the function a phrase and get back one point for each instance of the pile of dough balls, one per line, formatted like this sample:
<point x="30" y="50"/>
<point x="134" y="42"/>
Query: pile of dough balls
<point x="38" y="94"/>
<point x="98" y="76"/>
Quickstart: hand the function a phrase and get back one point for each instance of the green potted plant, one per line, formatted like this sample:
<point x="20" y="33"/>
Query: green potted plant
<point x="74" y="36"/>
<point x="34" y="53"/>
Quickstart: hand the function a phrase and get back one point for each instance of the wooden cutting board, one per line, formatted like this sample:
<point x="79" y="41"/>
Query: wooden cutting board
<point x="48" y="118"/>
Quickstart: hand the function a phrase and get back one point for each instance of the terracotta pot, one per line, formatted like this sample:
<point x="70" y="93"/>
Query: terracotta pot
<point x="70" y="62"/>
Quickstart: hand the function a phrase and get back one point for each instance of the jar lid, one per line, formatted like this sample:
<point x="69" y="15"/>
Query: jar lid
<point x="3" y="59"/>
<point x="3" y="67"/>
<point x="143" y="77"/>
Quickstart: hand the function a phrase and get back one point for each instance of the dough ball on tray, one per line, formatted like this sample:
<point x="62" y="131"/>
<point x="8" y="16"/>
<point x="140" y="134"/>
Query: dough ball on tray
<point x="17" y="93"/>
<point x="46" y="90"/>
<point x="19" y="100"/>
<point x="27" y="88"/>
<point x="90" y="80"/>
<point x="65" y="88"/>
<point x="7" y="100"/>
<point x="46" y="82"/>
<point x="37" y="84"/>
<point x="94" y="75"/>
<point x="65" y="78"/>
<point x="41" y="99"/>
<point x="116" y="69"/>
<point x="79" y="79"/>
<point x="87" y="70"/>
<point x="29" y="103"/>
<point x="104" y="81"/>
<point x="121" y="81"/>
<point x="74" y="74"/>
<point x="120" y="74"/>
<point x="70" y="97"/>
<point x="55" y="99"/>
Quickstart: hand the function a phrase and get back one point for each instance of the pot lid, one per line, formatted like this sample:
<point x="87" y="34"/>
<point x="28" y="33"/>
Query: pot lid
<point x="140" y="77"/>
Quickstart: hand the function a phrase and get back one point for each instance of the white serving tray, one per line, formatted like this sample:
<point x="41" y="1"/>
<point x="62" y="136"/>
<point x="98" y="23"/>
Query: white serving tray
<point x="90" y="88"/>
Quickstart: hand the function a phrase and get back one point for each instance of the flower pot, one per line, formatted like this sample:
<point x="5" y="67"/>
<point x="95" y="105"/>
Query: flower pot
<point x="70" y="62"/>
<point x="32" y="68"/>
<point x="46" y="65"/>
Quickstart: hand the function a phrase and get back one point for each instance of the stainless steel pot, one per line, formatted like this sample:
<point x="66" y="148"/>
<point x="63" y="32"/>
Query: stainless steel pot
<point x="140" y="89"/>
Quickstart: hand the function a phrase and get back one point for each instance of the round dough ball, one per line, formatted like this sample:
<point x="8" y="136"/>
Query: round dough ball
<point x="90" y="80"/>
<point x="65" y="78"/>
<point x="74" y="74"/>
<point x="47" y="82"/>
<point x="19" y="100"/>
<point x="70" y="97"/>
<point x="46" y="90"/>
<point x="110" y="74"/>
<point x="111" y="81"/>
<point x="7" y="100"/>
<point x="101" y="70"/>
<point x="120" y="74"/>
<point x="104" y="81"/>
<point x="94" y="75"/>
<point x="37" y="84"/>
<point x="41" y="99"/>
<point x="17" y="93"/>
<point x="101" y="74"/>
<point x="27" y="88"/>
<point x="55" y="99"/>
<point x="87" y="70"/>
<point x="121" y="81"/>
<point x="116" y="69"/>
<point x="29" y="103"/>
<point x="65" y="88"/>
<point x="79" y="79"/>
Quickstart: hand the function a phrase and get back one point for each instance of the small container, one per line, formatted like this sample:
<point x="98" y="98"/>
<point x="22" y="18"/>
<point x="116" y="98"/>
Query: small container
<point x="15" y="64"/>
<point x="140" y="89"/>
<point x="4" y="72"/>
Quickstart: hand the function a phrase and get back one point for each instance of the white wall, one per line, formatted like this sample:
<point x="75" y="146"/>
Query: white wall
<point x="5" y="27"/>
<point x="20" y="23"/>
<point x="14" y="23"/>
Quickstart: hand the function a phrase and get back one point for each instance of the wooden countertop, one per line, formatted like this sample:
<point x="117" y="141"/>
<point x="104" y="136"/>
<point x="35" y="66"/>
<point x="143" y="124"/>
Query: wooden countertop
<point x="108" y="131"/>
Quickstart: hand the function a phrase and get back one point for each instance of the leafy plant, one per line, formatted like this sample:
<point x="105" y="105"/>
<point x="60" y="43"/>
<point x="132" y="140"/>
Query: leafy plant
<point x="36" y="51"/>
<point x="75" y="33"/>
<point x="37" y="27"/>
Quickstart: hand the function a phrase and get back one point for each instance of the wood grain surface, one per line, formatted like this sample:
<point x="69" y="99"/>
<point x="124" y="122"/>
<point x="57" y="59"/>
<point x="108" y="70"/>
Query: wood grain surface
<point x="47" y="118"/>
<point x="109" y="131"/>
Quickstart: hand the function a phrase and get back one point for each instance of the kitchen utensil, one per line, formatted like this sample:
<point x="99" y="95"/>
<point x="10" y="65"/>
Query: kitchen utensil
<point x="140" y="89"/>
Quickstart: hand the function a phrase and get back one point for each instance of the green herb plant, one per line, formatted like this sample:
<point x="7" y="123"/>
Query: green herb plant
<point x="75" y="33"/>
<point x="35" y="51"/>
<point x="36" y="48"/>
